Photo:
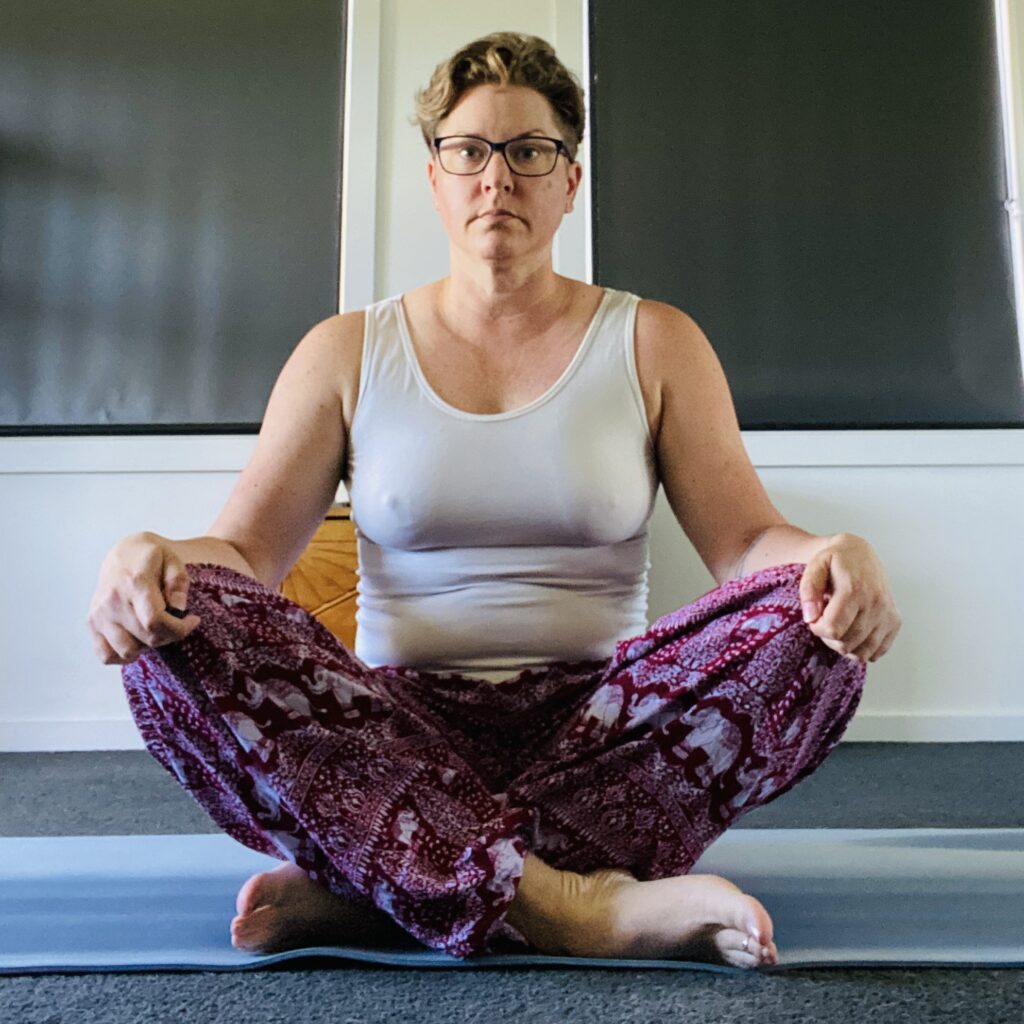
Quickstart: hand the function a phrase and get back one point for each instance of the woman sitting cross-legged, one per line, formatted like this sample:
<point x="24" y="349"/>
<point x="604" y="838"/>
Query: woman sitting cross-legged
<point x="509" y="757"/>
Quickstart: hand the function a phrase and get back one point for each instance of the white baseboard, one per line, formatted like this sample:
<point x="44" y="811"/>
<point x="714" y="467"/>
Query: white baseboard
<point x="894" y="727"/>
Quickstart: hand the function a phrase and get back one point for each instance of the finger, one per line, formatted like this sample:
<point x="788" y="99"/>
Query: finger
<point x="860" y="632"/>
<point x="122" y="628"/>
<point x="834" y="645"/>
<point x="104" y="651"/>
<point x="156" y="626"/>
<point x="179" y="623"/>
<point x="175" y="585"/>
<point x="847" y="601"/>
<point x="125" y="646"/>
<point x="836" y="620"/>
<point x="885" y="645"/>
<point x="123" y="631"/>
<point x="812" y="589"/>
<point x="867" y="647"/>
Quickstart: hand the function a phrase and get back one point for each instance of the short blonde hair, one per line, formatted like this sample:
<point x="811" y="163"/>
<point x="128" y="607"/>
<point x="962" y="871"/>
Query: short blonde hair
<point x="504" y="58"/>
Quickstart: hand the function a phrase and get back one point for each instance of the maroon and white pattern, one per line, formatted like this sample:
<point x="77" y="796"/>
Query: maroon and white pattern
<point x="420" y="793"/>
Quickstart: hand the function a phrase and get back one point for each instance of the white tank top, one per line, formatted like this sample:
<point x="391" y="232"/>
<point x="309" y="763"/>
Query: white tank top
<point x="488" y="544"/>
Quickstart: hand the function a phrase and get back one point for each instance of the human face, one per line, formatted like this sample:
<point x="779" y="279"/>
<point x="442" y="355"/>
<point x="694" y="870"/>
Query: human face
<point x="536" y="204"/>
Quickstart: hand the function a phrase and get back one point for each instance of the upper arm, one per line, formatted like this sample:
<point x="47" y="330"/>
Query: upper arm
<point x="289" y="483"/>
<point x="709" y="481"/>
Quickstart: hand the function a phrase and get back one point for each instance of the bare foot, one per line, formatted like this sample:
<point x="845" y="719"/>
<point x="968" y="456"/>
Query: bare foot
<point x="284" y="909"/>
<point x="610" y="913"/>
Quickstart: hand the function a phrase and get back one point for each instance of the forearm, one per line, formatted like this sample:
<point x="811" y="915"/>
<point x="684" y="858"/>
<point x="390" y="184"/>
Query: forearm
<point x="214" y="550"/>
<point x="777" y="545"/>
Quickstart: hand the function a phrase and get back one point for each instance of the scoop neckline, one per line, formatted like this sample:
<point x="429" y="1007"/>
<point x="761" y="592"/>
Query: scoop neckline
<point x="410" y="352"/>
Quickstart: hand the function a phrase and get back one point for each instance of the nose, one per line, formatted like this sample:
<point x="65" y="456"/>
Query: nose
<point x="496" y="175"/>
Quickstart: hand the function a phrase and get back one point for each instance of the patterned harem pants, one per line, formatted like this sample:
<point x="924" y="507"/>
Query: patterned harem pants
<point x="420" y="793"/>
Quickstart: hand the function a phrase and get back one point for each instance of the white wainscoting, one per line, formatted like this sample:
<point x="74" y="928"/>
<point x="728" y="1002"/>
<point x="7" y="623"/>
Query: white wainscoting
<point x="943" y="508"/>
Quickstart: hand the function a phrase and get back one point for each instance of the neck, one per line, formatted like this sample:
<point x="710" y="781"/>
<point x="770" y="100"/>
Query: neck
<point x="480" y="302"/>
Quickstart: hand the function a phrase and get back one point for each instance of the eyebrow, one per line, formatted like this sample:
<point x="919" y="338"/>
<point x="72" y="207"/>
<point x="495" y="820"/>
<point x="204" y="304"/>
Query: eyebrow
<point x="521" y="135"/>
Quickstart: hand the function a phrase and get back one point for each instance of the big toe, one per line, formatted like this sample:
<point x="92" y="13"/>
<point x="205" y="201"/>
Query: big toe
<point x="266" y="887"/>
<point x="756" y="921"/>
<point x="727" y="904"/>
<point x="248" y="898"/>
<point x="246" y="902"/>
<point x="253" y="932"/>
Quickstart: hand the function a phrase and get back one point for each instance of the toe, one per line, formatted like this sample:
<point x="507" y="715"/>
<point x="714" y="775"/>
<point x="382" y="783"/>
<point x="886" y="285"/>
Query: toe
<point x="757" y="921"/>
<point x="250" y="932"/>
<point x="243" y="902"/>
<point x="730" y="942"/>
<point x="252" y="894"/>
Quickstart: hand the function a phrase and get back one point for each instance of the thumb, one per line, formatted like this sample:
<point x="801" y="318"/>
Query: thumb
<point x="812" y="587"/>
<point x="175" y="584"/>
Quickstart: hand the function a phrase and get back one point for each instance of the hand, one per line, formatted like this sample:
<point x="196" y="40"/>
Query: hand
<point x="140" y="580"/>
<point x="846" y="599"/>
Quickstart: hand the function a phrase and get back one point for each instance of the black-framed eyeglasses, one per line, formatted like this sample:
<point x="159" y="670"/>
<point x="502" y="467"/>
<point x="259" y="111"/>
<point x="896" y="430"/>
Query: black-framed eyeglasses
<point x="531" y="156"/>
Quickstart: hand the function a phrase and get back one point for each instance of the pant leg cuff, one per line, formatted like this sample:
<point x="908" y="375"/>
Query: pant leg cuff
<point x="502" y="853"/>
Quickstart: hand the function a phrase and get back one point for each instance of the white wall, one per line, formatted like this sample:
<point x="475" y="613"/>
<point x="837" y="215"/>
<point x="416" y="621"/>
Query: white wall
<point x="942" y="507"/>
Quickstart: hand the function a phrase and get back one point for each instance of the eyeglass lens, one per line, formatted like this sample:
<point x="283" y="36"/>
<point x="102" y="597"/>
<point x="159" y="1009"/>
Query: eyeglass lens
<point x="466" y="155"/>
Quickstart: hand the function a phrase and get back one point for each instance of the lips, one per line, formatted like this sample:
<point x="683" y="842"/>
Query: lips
<point x="497" y="213"/>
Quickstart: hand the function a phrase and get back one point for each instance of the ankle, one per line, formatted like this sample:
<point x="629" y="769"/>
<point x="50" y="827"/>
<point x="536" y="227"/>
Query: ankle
<point x="544" y="906"/>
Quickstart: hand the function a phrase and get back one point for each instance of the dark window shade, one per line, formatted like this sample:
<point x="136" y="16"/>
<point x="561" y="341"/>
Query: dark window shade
<point x="169" y="207"/>
<point x="820" y="186"/>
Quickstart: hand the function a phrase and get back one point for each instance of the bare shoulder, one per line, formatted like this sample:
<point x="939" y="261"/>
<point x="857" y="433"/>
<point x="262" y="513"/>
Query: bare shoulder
<point x="336" y="343"/>
<point x="663" y="331"/>
<point x="670" y="349"/>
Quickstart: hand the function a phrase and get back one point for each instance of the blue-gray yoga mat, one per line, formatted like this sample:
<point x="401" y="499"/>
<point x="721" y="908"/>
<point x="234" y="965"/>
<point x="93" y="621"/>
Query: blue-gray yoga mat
<point x="865" y="897"/>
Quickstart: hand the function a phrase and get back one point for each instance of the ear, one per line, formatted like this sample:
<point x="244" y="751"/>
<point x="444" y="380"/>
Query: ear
<point x="573" y="185"/>
<point x="432" y="178"/>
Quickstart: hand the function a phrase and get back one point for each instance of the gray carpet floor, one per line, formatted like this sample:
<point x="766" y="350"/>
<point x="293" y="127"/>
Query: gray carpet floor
<point x="862" y="785"/>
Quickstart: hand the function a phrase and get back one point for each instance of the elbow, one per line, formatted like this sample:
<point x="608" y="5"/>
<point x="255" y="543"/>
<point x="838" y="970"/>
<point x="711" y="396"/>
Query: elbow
<point x="745" y="547"/>
<point x="253" y="566"/>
